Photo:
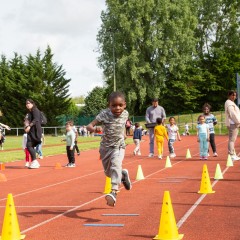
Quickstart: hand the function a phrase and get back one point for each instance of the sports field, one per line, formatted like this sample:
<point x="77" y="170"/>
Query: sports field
<point x="69" y="204"/>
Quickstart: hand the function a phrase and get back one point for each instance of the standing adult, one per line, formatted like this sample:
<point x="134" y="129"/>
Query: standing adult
<point x="152" y="113"/>
<point x="34" y="130"/>
<point x="232" y="114"/>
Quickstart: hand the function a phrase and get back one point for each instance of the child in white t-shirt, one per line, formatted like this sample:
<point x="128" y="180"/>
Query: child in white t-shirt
<point x="173" y="135"/>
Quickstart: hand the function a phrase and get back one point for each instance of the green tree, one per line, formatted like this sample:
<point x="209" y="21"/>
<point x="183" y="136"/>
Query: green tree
<point x="218" y="48"/>
<point x="95" y="102"/>
<point x="151" y="41"/>
<point x="38" y="78"/>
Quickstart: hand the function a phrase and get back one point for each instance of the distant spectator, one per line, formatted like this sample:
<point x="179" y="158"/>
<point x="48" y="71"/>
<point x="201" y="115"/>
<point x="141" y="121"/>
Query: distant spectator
<point x="128" y="126"/>
<point x="33" y="129"/>
<point x="152" y="113"/>
<point x="232" y="114"/>
<point x="137" y="137"/>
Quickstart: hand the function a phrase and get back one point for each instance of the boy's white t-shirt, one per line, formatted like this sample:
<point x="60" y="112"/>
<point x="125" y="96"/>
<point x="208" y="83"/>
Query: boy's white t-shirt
<point x="172" y="131"/>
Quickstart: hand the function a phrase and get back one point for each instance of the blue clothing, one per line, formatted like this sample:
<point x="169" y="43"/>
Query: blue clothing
<point x="203" y="141"/>
<point x="137" y="134"/>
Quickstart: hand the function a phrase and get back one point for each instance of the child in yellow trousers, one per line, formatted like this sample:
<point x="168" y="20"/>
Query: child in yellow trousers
<point x="160" y="132"/>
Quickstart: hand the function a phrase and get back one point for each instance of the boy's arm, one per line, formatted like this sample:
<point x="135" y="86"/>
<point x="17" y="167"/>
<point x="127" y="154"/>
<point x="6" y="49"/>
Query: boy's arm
<point x="91" y="126"/>
<point x="5" y="126"/>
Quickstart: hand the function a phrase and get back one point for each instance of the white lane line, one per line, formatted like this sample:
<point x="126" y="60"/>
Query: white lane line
<point x="53" y="185"/>
<point x="62" y="214"/>
<point x="195" y="205"/>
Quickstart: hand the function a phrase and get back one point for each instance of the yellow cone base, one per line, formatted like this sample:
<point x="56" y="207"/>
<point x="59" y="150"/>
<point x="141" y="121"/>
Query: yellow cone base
<point x="168" y="163"/>
<point x="218" y="173"/>
<point x="229" y="161"/>
<point x="108" y="186"/>
<point x="140" y="175"/>
<point x="10" y="228"/>
<point x="188" y="155"/>
<point x="167" y="228"/>
<point x="206" y="186"/>
<point x="180" y="236"/>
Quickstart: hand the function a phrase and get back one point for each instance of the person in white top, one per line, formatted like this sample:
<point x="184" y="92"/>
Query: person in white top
<point x="173" y="135"/>
<point x="232" y="114"/>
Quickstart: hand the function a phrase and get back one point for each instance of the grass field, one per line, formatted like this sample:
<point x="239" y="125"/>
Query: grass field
<point x="13" y="147"/>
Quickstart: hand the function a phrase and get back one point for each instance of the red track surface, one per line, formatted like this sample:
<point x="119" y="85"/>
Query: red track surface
<point x="55" y="204"/>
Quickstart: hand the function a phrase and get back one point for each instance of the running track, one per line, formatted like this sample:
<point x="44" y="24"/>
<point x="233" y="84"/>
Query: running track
<point x="56" y="204"/>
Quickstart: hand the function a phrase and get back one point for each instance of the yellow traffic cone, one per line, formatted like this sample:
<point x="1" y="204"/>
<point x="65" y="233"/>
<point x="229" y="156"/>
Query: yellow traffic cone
<point x="188" y="155"/>
<point x="229" y="161"/>
<point x="168" y="163"/>
<point x="205" y="182"/>
<point x="168" y="228"/>
<point x="140" y="175"/>
<point x="58" y="166"/>
<point x="218" y="173"/>
<point x="108" y="186"/>
<point x="10" y="229"/>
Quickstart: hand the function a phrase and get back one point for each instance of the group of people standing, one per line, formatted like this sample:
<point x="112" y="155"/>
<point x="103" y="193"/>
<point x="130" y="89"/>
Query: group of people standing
<point x="205" y="131"/>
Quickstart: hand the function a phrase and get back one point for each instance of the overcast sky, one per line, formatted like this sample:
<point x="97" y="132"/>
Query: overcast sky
<point x="69" y="27"/>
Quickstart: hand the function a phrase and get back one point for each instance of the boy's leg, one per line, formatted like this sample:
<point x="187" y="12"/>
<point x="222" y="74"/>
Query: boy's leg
<point x="151" y="144"/>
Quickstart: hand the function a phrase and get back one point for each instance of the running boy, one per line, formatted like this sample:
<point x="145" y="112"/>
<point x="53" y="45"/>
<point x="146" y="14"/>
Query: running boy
<point x="173" y="135"/>
<point x="112" y="147"/>
<point x="211" y="121"/>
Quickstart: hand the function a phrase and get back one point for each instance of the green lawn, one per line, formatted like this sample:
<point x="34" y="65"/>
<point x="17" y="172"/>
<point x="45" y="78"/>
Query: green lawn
<point x="13" y="147"/>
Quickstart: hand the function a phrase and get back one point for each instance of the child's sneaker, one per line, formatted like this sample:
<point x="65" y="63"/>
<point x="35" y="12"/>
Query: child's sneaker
<point x="27" y="164"/>
<point x="215" y="154"/>
<point x="134" y="152"/>
<point x="40" y="157"/>
<point x="150" y="155"/>
<point x="139" y="154"/>
<point x="160" y="156"/>
<point x="67" y="165"/>
<point x="111" y="198"/>
<point x="71" y="165"/>
<point x="34" y="164"/>
<point x="172" y="155"/>
<point x="126" y="180"/>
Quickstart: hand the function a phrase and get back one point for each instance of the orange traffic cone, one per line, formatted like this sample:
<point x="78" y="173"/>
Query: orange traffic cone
<point x="2" y="166"/>
<point x="108" y="186"/>
<point x="10" y="229"/>
<point x="2" y="178"/>
<point x="140" y="175"/>
<point x="168" y="228"/>
<point x="58" y="166"/>
<point x="205" y="182"/>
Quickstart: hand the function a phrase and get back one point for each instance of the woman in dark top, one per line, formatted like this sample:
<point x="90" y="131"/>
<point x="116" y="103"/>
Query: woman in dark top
<point x="33" y="129"/>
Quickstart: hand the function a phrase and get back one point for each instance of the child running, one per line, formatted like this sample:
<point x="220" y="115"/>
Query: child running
<point x="211" y="121"/>
<point x="203" y="137"/>
<point x="173" y="135"/>
<point x="112" y="147"/>
<point x="137" y="137"/>
<point x="160" y="132"/>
